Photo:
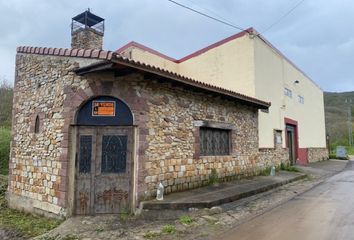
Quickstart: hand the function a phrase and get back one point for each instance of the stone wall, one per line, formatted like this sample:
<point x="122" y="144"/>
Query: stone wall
<point x="86" y="39"/>
<point x="38" y="161"/>
<point x="317" y="154"/>
<point x="273" y="156"/>
<point x="172" y="153"/>
<point x="166" y="117"/>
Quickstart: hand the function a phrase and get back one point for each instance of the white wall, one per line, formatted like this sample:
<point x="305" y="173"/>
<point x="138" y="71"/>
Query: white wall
<point x="273" y="74"/>
<point x="251" y="67"/>
<point x="230" y="65"/>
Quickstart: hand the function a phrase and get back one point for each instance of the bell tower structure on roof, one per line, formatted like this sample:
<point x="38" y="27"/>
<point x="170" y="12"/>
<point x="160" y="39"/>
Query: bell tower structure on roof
<point x="87" y="30"/>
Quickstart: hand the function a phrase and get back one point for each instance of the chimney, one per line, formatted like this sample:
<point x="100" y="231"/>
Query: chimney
<point x="87" y="31"/>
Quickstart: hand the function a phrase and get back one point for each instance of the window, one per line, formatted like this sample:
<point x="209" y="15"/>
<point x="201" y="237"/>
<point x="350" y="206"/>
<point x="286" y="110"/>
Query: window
<point x="36" y="125"/>
<point x="85" y="154"/>
<point x="288" y="92"/>
<point x="114" y="154"/>
<point x="301" y="99"/>
<point x="214" y="141"/>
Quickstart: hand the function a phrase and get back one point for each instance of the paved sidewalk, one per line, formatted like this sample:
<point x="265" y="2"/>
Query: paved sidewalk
<point x="324" y="169"/>
<point x="210" y="196"/>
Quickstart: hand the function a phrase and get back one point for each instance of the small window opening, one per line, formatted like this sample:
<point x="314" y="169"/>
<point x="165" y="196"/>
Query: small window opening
<point x="288" y="92"/>
<point x="36" y="125"/>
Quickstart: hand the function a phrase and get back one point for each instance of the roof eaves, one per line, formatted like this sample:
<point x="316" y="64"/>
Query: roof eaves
<point x="115" y="57"/>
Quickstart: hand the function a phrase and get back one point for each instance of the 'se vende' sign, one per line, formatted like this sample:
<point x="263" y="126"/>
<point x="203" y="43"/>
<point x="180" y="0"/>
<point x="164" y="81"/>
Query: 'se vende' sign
<point x="103" y="108"/>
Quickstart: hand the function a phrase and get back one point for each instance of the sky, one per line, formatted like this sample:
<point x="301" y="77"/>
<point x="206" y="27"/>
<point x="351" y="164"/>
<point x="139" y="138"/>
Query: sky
<point x="318" y="36"/>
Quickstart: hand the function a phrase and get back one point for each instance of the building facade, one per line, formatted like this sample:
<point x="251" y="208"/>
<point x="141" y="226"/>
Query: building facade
<point x="246" y="62"/>
<point x="96" y="132"/>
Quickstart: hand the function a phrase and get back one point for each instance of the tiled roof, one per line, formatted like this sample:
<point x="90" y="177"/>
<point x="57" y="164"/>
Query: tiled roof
<point x="117" y="58"/>
<point x="66" y="52"/>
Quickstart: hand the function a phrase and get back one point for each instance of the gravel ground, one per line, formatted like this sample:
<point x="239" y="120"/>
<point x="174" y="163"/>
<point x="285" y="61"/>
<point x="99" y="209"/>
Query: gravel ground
<point x="206" y="224"/>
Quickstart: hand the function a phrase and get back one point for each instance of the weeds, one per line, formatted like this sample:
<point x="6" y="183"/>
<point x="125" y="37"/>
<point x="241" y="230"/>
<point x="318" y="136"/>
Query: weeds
<point x="99" y="229"/>
<point x="214" y="177"/>
<point x="289" y="168"/>
<point x="186" y="220"/>
<point x="151" y="235"/>
<point x="124" y="214"/>
<point x="265" y="171"/>
<point x="168" y="229"/>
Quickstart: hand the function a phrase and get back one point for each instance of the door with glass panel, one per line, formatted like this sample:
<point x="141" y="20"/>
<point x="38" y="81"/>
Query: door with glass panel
<point x="103" y="170"/>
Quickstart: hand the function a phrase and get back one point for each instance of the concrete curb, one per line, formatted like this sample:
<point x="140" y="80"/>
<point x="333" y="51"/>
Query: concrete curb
<point x="155" y="205"/>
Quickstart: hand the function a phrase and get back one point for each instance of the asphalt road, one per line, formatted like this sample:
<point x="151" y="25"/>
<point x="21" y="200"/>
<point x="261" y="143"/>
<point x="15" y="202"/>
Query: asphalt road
<point x="324" y="212"/>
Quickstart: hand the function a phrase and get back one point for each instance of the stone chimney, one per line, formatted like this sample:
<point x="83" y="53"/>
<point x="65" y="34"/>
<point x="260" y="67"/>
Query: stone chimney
<point x="87" y="31"/>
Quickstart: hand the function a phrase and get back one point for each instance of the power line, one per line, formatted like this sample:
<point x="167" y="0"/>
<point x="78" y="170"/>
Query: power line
<point x="283" y="16"/>
<point x="210" y="11"/>
<point x="206" y="15"/>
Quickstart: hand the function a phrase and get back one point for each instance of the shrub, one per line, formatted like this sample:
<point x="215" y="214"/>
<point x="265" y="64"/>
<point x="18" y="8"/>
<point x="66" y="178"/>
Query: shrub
<point x="5" y="136"/>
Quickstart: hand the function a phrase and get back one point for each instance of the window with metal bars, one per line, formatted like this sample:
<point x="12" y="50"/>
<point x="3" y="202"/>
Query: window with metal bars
<point x="214" y="141"/>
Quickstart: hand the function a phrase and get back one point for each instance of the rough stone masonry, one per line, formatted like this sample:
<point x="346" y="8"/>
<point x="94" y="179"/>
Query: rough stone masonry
<point x="184" y="131"/>
<point x="166" y="115"/>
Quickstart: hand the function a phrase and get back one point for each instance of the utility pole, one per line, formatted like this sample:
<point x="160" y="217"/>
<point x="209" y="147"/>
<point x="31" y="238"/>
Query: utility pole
<point x="350" y="125"/>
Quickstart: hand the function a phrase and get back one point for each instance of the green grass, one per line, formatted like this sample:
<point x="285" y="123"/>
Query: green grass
<point x="332" y="155"/>
<point x="5" y="136"/>
<point x="186" y="220"/>
<point x="26" y="225"/>
<point x="350" y="150"/>
<point x="289" y="168"/>
<point x="168" y="229"/>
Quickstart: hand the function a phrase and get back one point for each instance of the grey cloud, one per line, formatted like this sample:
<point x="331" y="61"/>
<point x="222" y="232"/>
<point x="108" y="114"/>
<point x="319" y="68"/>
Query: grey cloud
<point x="317" y="36"/>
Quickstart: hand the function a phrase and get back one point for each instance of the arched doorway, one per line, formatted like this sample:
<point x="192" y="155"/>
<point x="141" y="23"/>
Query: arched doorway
<point x="104" y="161"/>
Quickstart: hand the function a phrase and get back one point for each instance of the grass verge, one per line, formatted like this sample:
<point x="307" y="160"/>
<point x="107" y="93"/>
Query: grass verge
<point x="5" y="135"/>
<point x="21" y="225"/>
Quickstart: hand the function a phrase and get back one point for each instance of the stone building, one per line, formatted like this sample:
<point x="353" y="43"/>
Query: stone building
<point x="95" y="132"/>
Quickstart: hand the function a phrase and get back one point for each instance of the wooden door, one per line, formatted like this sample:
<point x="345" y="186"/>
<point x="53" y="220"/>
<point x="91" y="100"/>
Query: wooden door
<point x="103" y="170"/>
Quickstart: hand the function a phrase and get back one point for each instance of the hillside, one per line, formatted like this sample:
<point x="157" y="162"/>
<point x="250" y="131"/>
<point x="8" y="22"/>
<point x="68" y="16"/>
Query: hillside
<point x="336" y="112"/>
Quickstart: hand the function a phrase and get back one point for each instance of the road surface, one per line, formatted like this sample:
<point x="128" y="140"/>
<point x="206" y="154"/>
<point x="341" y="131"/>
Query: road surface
<point x="324" y="212"/>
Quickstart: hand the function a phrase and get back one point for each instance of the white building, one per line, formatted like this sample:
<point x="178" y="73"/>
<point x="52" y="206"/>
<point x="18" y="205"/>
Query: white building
<point x="246" y="62"/>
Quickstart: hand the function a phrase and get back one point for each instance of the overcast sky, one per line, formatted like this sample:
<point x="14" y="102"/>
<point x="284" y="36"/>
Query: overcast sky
<point x="318" y="36"/>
